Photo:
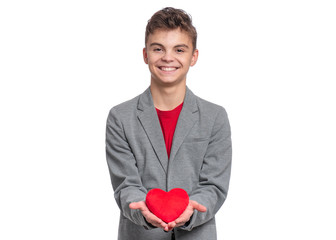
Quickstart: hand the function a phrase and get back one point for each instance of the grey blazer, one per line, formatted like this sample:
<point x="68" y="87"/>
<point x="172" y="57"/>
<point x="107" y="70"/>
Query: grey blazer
<point x="200" y="163"/>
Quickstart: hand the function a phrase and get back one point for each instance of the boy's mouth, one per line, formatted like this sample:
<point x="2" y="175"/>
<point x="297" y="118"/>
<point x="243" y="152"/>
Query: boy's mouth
<point x="168" y="69"/>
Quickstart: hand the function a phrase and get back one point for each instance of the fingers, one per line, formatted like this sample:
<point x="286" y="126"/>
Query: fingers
<point x="154" y="220"/>
<point x="180" y="221"/>
<point x="171" y="225"/>
<point x="150" y="217"/>
<point x="167" y="228"/>
<point x="157" y="222"/>
<point x="186" y="215"/>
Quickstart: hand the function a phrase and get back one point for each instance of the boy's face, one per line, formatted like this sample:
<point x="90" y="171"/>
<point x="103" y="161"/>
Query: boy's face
<point x="169" y="54"/>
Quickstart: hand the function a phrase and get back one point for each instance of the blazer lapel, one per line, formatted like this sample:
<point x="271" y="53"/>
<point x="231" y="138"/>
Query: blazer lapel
<point x="150" y="122"/>
<point x="188" y="117"/>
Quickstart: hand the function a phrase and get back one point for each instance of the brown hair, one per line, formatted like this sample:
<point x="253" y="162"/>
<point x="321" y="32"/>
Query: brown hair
<point x="171" y="18"/>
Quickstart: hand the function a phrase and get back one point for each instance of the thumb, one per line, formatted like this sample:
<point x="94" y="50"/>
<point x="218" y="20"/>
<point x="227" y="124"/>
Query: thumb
<point x="136" y="205"/>
<point x="199" y="207"/>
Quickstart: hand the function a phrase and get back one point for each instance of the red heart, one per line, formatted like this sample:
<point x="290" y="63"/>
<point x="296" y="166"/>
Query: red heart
<point x="167" y="205"/>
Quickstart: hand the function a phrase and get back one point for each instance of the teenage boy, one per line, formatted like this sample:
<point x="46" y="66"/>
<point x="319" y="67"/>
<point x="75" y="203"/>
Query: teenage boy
<point x="167" y="138"/>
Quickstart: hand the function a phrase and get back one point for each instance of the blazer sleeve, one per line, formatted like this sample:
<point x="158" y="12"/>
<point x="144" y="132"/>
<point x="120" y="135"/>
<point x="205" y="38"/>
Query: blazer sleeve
<point x="124" y="173"/>
<point x="214" y="177"/>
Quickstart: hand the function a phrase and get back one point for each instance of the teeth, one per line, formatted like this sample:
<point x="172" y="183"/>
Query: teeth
<point x="168" y="69"/>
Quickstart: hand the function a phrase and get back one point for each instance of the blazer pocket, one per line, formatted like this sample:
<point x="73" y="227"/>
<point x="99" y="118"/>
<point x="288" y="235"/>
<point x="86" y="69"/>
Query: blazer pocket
<point x="195" y="140"/>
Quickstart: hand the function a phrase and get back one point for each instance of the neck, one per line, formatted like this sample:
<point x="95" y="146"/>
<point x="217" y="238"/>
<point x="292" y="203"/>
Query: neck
<point x="168" y="98"/>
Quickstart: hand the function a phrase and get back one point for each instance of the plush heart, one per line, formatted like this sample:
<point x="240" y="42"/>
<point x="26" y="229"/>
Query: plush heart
<point x="167" y="205"/>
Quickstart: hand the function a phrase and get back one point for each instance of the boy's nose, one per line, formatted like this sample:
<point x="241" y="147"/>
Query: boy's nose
<point x="167" y="57"/>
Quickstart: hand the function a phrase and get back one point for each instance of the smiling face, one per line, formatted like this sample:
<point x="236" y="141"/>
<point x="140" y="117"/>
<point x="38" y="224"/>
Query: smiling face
<point x="169" y="54"/>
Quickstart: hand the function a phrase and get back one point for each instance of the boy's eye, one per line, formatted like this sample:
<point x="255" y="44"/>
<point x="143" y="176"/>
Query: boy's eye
<point x="157" y="49"/>
<point x="180" y="50"/>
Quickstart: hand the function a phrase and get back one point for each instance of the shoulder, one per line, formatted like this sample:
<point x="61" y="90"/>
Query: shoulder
<point x="210" y="108"/>
<point x="124" y="109"/>
<point x="214" y="115"/>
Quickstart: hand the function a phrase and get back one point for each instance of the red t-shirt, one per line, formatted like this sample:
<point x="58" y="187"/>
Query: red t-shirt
<point x="168" y="121"/>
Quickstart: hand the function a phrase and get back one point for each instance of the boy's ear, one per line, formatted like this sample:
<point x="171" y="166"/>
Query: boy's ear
<point x="145" y="57"/>
<point x="194" y="58"/>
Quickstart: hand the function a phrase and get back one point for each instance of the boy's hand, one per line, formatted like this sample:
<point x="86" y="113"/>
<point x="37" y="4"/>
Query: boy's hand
<point x="185" y="216"/>
<point x="150" y="217"/>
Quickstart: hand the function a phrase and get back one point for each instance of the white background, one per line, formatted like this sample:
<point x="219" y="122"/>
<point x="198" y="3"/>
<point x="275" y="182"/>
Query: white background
<point x="65" y="63"/>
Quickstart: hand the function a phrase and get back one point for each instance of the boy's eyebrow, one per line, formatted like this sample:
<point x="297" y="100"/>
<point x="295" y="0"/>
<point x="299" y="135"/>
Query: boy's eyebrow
<point x="179" y="45"/>
<point x="182" y="45"/>
<point x="154" y="43"/>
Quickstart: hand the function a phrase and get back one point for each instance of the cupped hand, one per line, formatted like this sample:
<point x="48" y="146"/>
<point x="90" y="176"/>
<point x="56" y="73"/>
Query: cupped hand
<point x="188" y="212"/>
<point x="149" y="216"/>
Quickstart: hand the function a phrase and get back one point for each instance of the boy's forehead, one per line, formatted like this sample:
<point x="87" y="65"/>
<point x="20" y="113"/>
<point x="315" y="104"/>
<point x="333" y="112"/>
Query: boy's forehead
<point x="170" y="36"/>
